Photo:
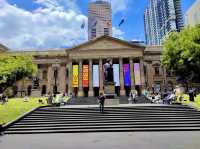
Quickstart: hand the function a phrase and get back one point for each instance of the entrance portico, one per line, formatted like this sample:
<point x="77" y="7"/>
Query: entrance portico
<point x="127" y="58"/>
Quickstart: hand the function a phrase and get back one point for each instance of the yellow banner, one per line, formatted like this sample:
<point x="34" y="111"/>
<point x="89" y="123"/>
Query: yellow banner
<point x="75" y="76"/>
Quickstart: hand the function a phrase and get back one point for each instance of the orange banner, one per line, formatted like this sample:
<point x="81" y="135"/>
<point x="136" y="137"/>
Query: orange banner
<point x="85" y="76"/>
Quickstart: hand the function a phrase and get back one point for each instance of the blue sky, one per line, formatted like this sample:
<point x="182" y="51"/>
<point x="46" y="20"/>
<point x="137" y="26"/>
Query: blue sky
<point x="49" y="24"/>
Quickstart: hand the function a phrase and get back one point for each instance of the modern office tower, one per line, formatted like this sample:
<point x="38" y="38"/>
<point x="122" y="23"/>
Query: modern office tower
<point x="151" y="23"/>
<point x="193" y="14"/>
<point x="162" y="17"/>
<point x="99" y="19"/>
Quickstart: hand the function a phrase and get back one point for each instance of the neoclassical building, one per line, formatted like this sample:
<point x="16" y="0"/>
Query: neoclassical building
<point x="79" y="70"/>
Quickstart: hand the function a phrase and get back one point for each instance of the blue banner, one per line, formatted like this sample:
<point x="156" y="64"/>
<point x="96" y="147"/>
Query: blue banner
<point x="127" y="76"/>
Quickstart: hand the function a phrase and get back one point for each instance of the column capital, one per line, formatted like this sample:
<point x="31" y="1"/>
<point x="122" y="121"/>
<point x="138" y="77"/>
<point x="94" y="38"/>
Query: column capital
<point x="131" y="59"/>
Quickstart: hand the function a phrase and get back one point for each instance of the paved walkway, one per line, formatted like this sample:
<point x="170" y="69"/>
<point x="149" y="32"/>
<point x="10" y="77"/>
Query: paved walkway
<point x="126" y="140"/>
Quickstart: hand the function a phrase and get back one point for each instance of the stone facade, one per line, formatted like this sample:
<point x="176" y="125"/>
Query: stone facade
<point x="96" y="52"/>
<point x="3" y="48"/>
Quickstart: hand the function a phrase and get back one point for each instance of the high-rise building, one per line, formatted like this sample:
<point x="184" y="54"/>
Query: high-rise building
<point x="99" y="18"/>
<point x="160" y="18"/>
<point x="193" y="14"/>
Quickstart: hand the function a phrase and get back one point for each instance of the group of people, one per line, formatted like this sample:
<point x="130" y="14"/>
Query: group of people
<point x="168" y="97"/>
<point x="57" y="98"/>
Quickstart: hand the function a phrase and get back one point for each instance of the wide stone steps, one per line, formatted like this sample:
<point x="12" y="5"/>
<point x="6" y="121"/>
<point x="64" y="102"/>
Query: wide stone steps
<point x="104" y="124"/>
<point x="136" y="118"/>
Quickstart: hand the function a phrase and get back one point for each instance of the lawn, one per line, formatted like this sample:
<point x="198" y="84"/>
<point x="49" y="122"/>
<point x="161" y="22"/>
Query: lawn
<point x="186" y="100"/>
<point x="16" y="107"/>
<point x="197" y="101"/>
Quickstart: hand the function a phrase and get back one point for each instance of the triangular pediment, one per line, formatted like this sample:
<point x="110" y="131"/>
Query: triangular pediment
<point x="105" y="43"/>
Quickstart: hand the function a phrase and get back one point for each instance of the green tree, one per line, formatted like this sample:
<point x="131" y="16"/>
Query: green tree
<point x="182" y="53"/>
<point x="14" y="67"/>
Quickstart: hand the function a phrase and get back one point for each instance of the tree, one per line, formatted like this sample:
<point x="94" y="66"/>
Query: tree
<point x="14" y="67"/>
<point x="181" y="53"/>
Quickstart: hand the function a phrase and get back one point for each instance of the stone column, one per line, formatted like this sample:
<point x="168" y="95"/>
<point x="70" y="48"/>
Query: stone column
<point x="122" y="91"/>
<point x="70" y="89"/>
<point x="132" y="74"/>
<point x="62" y="79"/>
<point x="150" y="74"/>
<point x="142" y="73"/>
<point x="80" y="79"/>
<point x="101" y="75"/>
<point x="50" y="79"/>
<point x="91" y="92"/>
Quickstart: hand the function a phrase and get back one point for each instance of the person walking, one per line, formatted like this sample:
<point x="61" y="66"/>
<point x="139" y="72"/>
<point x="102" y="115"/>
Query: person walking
<point x="101" y="102"/>
<point x="191" y="94"/>
<point x="1" y="130"/>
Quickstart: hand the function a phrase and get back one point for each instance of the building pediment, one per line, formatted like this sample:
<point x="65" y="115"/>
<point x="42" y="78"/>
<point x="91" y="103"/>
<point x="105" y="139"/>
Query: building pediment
<point x="104" y="47"/>
<point x="106" y="43"/>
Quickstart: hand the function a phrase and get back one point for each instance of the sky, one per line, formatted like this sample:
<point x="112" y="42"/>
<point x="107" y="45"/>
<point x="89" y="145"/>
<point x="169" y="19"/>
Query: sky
<point x="55" y="24"/>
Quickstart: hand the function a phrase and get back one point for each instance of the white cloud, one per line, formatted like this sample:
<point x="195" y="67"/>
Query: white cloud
<point x="55" y="24"/>
<point x="117" y="33"/>
<point x="119" y="5"/>
<point x="50" y="26"/>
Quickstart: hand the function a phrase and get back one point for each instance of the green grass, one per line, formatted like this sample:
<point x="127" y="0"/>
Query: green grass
<point x="197" y="101"/>
<point x="16" y="107"/>
<point x="186" y="100"/>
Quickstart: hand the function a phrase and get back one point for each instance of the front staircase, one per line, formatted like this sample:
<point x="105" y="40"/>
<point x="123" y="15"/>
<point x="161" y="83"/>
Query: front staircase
<point x="115" y="119"/>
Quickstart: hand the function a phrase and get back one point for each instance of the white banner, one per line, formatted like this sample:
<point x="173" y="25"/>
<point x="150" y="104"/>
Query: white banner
<point x="95" y="75"/>
<point x="116" y="74"/>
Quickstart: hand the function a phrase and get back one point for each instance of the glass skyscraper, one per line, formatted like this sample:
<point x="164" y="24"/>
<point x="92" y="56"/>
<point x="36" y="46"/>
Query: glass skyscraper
<point x="160" y="18"/>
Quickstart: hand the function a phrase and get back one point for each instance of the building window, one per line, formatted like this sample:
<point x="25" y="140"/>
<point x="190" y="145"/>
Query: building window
<point x="44" y="75"/>
<point x="157" y="72"/>
<point x="93" y="33"/>
<point x="106" y="31"/>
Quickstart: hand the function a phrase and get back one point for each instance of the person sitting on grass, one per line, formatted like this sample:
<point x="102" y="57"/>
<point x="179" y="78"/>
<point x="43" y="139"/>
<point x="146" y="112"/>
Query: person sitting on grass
<point x="26" y="99"/>
<point x="40" y="101"/>
<point x="4" y="99"/>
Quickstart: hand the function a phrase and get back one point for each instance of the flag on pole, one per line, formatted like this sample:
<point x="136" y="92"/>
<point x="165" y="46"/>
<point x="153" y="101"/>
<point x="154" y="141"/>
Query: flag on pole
<point x="122" y="21"/>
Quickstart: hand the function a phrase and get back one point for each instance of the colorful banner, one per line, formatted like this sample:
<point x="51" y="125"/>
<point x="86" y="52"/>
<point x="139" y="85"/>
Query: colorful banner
<point x="116" y="74"/>
<point x="75" y="76"/>
<point x="127" y="76"/>
<point x="95" y="75"/>
<point x="85" y="75"/>
<point x="137" y="73"/>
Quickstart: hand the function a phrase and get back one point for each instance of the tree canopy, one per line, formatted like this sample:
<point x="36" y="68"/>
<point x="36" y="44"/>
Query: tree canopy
<point x="182" y="53"/>
<point x="14" y="67"/>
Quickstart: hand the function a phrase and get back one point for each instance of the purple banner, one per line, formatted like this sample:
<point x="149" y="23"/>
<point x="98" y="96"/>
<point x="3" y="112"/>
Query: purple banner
<point x="137" y="73"/>
<point x="127" y="76"/>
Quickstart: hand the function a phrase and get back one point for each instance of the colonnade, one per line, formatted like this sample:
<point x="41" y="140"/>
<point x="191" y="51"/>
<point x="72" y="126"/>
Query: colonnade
<point x="100" y="63"/>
